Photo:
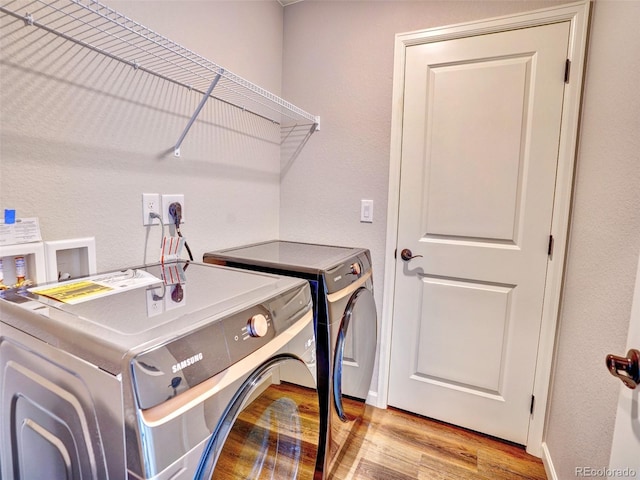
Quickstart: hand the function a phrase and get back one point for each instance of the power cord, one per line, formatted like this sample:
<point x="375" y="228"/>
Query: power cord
<point x="155" y="215"/>
<point x="154" y="295"/>
<point x="175" y="210"/>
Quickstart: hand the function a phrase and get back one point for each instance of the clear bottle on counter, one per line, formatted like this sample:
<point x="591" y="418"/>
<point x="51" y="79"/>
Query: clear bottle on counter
<point x="2" y="285"/>
<point x="21" y="271"/>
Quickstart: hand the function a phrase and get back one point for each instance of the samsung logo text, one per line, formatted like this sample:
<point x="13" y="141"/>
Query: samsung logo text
<point x="187" y="362"/>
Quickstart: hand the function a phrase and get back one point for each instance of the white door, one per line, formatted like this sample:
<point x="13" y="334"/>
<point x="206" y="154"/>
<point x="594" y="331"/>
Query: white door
<point x="625" y="449"/>
<point x="481" y="127"/>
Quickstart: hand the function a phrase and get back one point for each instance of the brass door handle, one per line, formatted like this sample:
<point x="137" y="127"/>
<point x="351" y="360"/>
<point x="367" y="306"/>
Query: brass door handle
<point x="406" y="255"/>
<point x="626" y="368"/>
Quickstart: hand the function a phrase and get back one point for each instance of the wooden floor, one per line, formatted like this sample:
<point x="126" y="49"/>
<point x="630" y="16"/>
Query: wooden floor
<point x="384" y="445"/>
<point x="394" y="445"/>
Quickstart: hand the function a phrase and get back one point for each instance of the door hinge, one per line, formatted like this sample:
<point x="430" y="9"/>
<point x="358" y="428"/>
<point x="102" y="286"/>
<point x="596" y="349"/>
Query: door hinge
<point x="567" y="70"/>
<point x="533" y="401"/>
<point x="550" y="247"/>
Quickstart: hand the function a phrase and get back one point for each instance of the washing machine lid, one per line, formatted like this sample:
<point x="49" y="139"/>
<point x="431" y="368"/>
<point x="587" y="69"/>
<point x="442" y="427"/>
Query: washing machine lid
<point x="293" y="256"/>
<point x="103" y="329"/>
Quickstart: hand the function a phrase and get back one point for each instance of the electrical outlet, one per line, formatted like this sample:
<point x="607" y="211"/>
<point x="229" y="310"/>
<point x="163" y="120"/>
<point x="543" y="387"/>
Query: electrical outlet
<point x="155" y="305"/>
<point x="175" y="297"/>
<point x="168" y="200"/>
<point x="150" y="204"/>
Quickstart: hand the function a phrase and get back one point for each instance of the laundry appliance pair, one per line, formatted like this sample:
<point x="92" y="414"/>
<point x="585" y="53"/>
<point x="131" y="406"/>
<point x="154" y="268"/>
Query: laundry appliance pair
<point x="346" y="328"/>
<point x="166" y="371"/>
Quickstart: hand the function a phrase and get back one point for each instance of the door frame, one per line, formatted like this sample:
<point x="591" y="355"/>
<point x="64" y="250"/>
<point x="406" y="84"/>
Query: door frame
<point x="578" y="15"/>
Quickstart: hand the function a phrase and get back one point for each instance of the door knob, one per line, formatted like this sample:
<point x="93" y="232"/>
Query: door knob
<point x="626" y="368"/>
<point x="406" y="255"/>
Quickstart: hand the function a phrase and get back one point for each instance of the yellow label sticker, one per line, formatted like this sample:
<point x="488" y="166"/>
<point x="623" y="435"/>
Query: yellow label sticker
<point x="73" y="292"/>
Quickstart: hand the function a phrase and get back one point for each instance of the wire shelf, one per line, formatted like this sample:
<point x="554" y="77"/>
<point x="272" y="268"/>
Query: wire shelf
<point x="108" y="32"/>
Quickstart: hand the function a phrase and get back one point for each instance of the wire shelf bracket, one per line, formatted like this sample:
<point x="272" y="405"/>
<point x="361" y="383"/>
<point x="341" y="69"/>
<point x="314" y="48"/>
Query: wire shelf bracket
<point x="176" y="149"/>
<point x="95" y="26"/>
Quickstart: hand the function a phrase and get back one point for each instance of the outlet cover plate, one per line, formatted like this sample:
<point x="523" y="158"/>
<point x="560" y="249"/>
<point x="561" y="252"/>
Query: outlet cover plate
<point x="168" y="200"/>
<point x="150" y="204"/>
<point x="155" y="304"/>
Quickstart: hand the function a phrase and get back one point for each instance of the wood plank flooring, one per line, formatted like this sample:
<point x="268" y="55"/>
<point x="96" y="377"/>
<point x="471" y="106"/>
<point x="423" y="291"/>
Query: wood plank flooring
<point x="388" y="444"/>
<point x="395" y="445"/>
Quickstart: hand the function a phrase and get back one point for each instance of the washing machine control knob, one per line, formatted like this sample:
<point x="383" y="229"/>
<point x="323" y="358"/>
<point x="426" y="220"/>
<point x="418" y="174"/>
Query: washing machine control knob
<point x="258" y="325"/>
<point x="356" y="269"/>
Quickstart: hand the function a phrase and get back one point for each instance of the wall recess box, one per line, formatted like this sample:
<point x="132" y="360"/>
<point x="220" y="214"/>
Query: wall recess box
<point x="69" y="259"/>
<point x="34" y="257"/>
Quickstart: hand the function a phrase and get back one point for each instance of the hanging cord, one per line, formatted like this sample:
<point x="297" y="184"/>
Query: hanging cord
<point x="155" y="215"/>
<point x="175" y="210"/>
<point x="155" y="296"/>
<point x="186" y="245"/>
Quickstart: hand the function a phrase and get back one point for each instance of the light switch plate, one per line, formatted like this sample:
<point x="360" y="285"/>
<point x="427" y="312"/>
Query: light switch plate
<point x="366" y="211"/>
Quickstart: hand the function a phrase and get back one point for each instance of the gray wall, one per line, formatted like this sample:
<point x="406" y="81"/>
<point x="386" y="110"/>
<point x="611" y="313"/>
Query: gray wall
<point x="604" y="244"/>
<point x="338" y="62"/>
<point x="82" y="136"/>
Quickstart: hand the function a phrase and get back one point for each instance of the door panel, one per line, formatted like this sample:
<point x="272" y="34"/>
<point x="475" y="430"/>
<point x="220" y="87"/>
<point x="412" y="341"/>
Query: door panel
<point x="481" y="128"/>
<point x="473" y="199"/>
<point x="449" y="351"/>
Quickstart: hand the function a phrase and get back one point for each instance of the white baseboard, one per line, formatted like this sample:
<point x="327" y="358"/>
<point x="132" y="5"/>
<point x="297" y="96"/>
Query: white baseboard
<point x="372" y="399"/>
<point x="548" y="463"/>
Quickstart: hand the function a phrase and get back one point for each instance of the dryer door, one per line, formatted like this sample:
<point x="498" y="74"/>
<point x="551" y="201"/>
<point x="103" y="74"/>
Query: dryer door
<point x="271" y="427"/>
<point x="355" y="350"/>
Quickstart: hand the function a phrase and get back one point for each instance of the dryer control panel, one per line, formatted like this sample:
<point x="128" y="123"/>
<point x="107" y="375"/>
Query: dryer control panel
<point x="347" y="272"/>
<point x="165" y="371"/>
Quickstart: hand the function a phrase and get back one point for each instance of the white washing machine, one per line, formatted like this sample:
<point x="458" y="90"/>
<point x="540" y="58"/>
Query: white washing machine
<point x="159" y="372"/>
<point x="346" y="327"/>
